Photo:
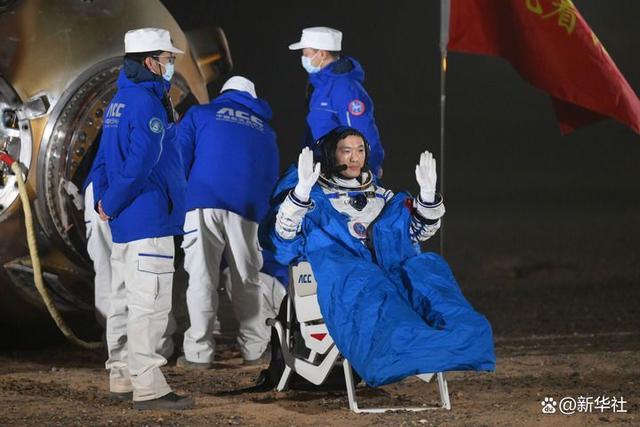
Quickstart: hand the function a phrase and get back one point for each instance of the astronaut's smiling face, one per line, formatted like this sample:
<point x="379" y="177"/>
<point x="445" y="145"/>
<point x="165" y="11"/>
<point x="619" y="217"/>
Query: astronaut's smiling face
<point x="351" y="153"/>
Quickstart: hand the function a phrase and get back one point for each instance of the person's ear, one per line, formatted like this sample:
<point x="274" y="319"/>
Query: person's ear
<point x="148" y="63"/>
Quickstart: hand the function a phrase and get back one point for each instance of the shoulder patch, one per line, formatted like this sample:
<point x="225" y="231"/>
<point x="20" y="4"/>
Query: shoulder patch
<point x="356" y="107"/>
<point x="155" y="125"/>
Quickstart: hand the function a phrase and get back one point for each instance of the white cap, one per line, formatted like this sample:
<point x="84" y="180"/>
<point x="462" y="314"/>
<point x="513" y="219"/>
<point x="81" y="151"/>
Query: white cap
<point x="148" y="40"/>
<point x="323" y="38"/>
<point x="240" y="83"/>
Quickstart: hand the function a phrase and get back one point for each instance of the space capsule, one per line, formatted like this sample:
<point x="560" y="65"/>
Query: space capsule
<point x="59" y="61"/>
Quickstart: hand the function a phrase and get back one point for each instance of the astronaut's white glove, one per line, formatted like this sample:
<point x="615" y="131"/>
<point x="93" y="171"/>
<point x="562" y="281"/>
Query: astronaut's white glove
<point x="427" y="177"/>
<point x="289" y="217"/>
<point x="307" y="174"/>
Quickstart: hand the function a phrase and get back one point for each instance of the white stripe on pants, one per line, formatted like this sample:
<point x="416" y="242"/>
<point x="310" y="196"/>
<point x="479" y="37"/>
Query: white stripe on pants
<point x="140" y="303"/>
<point x="210" y="234"/>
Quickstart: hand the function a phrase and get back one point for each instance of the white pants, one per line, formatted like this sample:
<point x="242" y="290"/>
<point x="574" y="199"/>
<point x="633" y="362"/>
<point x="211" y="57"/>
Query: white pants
<point x="99" y="248"/>
<point x="140" y="303"/>
<point x="210" y="234"/>
<point x="273" y="292"/>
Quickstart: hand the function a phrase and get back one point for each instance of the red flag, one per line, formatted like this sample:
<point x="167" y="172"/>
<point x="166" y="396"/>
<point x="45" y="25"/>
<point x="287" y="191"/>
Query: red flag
<point x="550" y="44"/>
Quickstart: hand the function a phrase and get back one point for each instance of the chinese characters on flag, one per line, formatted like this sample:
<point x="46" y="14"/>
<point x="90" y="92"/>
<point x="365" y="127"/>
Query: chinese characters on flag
<point x="550" y="44"/>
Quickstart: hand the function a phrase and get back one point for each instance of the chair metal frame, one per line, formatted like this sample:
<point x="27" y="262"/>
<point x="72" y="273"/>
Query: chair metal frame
<point x="324" y="353"/>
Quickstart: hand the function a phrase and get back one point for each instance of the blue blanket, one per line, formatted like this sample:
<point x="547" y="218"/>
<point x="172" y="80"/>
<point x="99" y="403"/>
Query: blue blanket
<point x="392" y="311"/>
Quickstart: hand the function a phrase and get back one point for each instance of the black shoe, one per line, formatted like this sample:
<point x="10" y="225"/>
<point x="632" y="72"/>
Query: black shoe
<point x="264" y="382"/>
<point x="121" y="397"/>
<point x="170" y="401"/>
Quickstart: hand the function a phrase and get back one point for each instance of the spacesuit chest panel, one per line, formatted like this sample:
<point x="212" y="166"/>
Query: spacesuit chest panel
<point x="358" y="219"/>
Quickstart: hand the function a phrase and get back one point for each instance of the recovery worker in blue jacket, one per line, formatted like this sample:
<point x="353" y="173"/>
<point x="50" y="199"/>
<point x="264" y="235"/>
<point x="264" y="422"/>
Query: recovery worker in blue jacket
<point x="338" y="97"/>
<point x="142" y="196"/>
<point x="99" y="243"/>
<point x="232" y="163"/>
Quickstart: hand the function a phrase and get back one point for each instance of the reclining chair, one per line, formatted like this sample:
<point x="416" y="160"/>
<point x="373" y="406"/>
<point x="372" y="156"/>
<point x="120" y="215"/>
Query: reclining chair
<point x="303" y="307"/>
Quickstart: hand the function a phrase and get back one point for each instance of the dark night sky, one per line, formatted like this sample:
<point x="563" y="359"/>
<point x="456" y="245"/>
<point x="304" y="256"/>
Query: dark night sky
<point x="505" y="159"/>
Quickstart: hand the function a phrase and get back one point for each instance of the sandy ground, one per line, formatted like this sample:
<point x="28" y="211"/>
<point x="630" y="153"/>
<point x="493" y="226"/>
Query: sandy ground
<point x="561" y="330"/>
<point x="66" y="386"/>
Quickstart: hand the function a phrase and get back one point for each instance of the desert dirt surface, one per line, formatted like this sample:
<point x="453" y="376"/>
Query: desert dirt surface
<point x="63" y="386"/>
<point x="551" y="341"/>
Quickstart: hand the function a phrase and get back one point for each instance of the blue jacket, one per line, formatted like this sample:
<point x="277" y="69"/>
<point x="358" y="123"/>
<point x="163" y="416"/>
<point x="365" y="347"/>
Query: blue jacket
<point x="339" y="98"/>
<point x="392" y="311"/>
<point x="230" y="153"/>
<point x="145" y="184"/>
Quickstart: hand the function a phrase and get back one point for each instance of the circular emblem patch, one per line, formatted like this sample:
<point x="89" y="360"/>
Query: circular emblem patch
<point x="360" y="229"/>
<point x="356" y="107"/>
<point x="155" y="125"/>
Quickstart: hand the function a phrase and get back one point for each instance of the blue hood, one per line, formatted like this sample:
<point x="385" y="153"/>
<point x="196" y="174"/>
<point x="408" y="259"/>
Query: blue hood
<point x="134" y="74"/>
<point x="345" y="67"/>
<point x="259" y="106"/>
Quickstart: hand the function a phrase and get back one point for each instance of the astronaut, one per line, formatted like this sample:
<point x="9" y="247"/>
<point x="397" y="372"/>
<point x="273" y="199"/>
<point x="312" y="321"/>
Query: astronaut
<point x="392" y="310"/>
<point x="337" y="95"/>
<point x="350" y="187"/>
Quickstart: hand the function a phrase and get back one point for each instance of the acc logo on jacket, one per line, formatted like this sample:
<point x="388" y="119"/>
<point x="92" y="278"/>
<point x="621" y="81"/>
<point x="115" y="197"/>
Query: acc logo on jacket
<point x="155" y="125"/>
<point x="114" y="112"/>
<point x="238" y="116"/>
<point x="356" y="107"/>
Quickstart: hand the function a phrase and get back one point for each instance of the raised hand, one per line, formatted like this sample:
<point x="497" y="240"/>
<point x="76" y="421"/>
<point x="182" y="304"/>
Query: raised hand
<point x="307" y="174"/>
<point x="426" y="176"/>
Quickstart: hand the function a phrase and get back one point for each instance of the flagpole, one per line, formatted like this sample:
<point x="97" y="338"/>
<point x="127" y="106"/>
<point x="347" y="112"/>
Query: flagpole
<point x="445" y="12"/>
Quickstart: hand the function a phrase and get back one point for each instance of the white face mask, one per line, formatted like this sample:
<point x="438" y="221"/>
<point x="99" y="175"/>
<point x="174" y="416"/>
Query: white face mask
<point x="169" y="68"/>
<point x="168" y="71"/>
<point x="306" y="64"/>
